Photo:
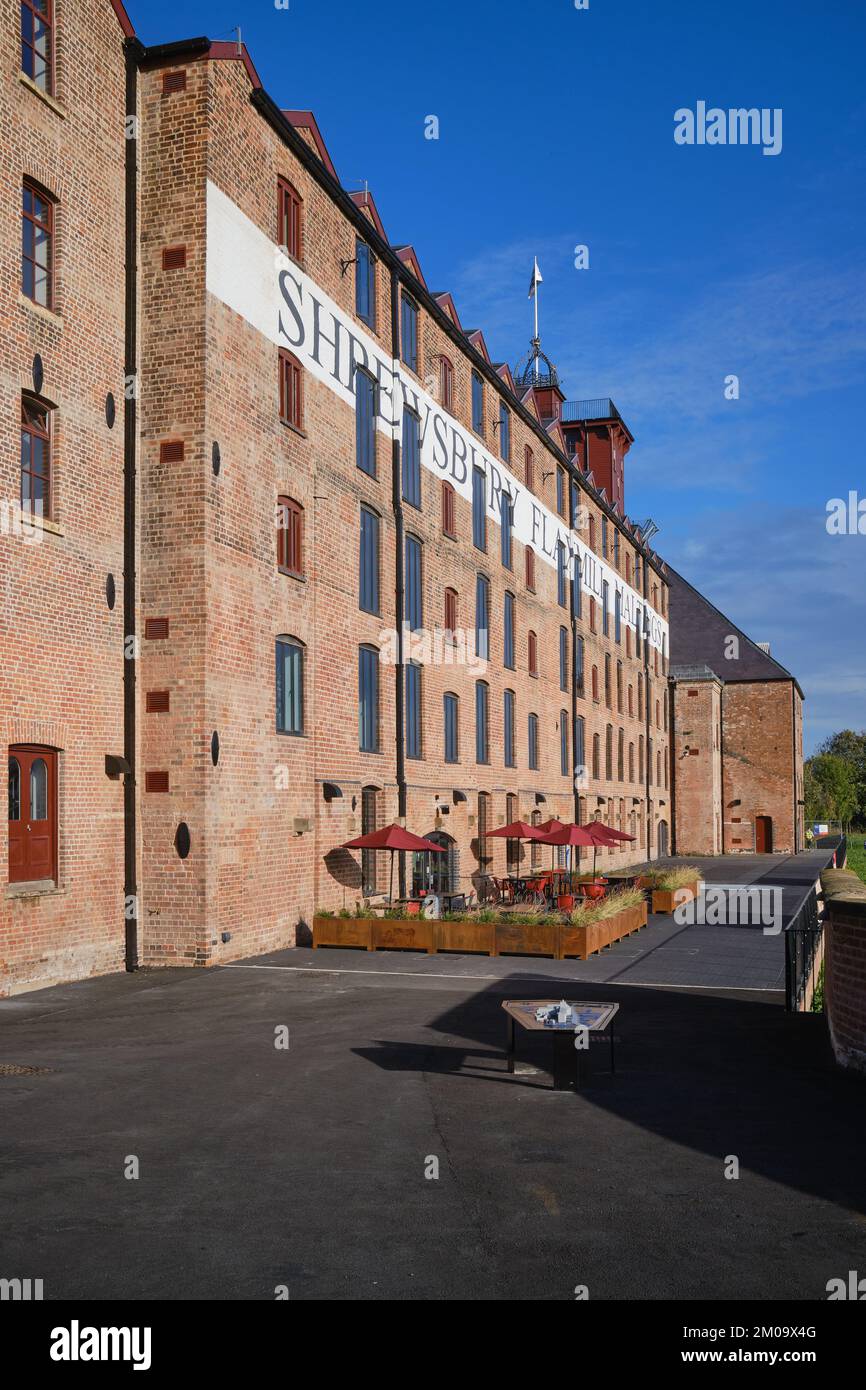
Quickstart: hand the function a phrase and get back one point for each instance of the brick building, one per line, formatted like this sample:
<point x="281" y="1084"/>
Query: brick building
<point x="308" y="561"/>
<point x="737" y="751"/>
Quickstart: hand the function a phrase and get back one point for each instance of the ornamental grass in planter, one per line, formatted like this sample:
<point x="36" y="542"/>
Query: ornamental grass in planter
<point x="594" y="925"/>
<point x="671" y="882"/>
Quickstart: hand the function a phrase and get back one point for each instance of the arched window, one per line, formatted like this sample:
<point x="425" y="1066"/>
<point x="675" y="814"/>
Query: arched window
<point x="370" y="799"/>
<point x="528" y="468"/>
<point x="446" y="383"/>
<point x="32" y="814"/>
<point x="608" y="695"/>
<point x="291" y="390"/>
<point x="290" y="685"/>
<point x="530" y="569"/>
<point x="37" y="243"/>
<point x="532" y="653"/>
<point x="508" y="644"/>
<point x="290" y="537"/>
<point x="450" y="614"/>
<point x="482" y="722"/>
<point x="563" y="659"/>
<point x="532" y="739"/>
<point x="563" y="743"/>
<point x="437" y="873"/>
<point x="512" y="847"/>
<point x="620" y="757"/>
<point x="449" y="511"/>
<point x="619" y="686"/>
<point x="36" y="482"/>
<point x="596" y="757"/>
<point x="368" y="699"/>
<point x="451" y="712"/>
<point x="535" y="847"/>
<point x="595" y="683"/>
<point x="509" y="758"/>
<point x="290" y="219"/>
<point x="608" y="752"/>
<point x="631" y="762"/>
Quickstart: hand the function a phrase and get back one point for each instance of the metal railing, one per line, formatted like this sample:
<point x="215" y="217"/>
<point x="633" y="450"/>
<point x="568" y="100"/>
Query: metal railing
<point x="602" y="408"/>
<point x="838" y="844"/>
<point x="802" y="936"/>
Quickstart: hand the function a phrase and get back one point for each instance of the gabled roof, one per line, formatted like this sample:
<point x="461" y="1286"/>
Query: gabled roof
<point x="528" y="400"/>
<point x="503" y="370"/>
<point x="445" y="302"/>
<point x="364" y="200"/>
<point x="305" y="120"/>
<point x="476" y="338"/>
<point x="409" y="257"/>
<point x="700" y="634"/>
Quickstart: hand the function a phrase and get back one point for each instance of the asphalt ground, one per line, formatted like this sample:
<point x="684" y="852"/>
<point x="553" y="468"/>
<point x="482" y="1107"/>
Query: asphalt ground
<point x="386" y="1153"/>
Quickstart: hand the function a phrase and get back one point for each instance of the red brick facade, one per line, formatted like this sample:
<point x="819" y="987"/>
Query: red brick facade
<point x="264" y="811"/>
<point x="737" y="765"/>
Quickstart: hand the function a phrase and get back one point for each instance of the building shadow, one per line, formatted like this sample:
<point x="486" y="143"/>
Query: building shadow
<point x="721" y="1075"/>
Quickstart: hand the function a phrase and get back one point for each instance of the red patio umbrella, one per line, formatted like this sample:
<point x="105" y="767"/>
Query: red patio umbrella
<point x="396" y="839"/>
<point x="570" y="834"/>
<point x="518" y="830"/>
<point x="604" y="835"/>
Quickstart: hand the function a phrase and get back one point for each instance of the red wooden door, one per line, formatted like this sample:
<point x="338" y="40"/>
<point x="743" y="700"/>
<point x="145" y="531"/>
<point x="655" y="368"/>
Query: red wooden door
<point x="764" y="834"/>
<point x="32" y="813"/>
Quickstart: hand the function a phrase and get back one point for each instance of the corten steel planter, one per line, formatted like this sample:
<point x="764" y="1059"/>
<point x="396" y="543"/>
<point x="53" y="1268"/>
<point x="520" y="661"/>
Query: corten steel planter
<point x="527" y="939"/>
<point x="585" y="941"/>
<point x="665" y="899"/>
<point x="343" y="931"/>
<point x="392" y="934"/>
<point x="466" y="935"/>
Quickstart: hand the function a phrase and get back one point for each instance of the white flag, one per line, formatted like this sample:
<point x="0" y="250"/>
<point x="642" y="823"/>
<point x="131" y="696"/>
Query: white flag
<point x="536" y="278"/>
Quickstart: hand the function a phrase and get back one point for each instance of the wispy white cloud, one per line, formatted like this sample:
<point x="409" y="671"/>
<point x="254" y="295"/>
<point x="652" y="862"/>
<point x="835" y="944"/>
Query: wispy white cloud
<point x="779" y="576"/>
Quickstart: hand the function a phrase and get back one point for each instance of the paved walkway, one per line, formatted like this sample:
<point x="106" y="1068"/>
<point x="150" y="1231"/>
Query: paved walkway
<point x="665" y="953"/>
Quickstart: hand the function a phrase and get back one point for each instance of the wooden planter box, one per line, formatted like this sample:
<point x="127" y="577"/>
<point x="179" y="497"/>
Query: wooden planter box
<point x="664" y="898"/>
<point x="584" y="942"/>
<point x="343" y="931"/>
<point x="466" y="936"/>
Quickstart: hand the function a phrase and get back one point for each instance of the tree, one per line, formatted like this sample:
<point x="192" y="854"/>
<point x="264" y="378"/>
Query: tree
<point x="851" y="747"/>
<point x="830" y="789"/>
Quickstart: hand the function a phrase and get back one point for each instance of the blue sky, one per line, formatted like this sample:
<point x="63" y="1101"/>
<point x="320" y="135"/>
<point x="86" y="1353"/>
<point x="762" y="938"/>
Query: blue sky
<point x="556" y="129"/>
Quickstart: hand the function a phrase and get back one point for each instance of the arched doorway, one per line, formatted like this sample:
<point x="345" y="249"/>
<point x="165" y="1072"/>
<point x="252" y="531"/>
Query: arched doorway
<point x="437" y="873"/>
<point x="663" y="839"/>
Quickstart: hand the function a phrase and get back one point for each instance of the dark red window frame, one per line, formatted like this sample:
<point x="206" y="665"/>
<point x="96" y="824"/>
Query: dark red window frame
<point x="31" y="225"/>
<point x="446" y="383"/>
<point x="529" y="467"/>
<point x="450" y="611"/>
<point x="290" y="537"/>
<point x="41" y="13"/>
<point x="530" y="569"/>
<point x="291" y="390"/>
<point x="35" y="434"/>
<point x="290" y="219"/>
<point x="449" y="511"/>
<point x="532" y="653"/>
